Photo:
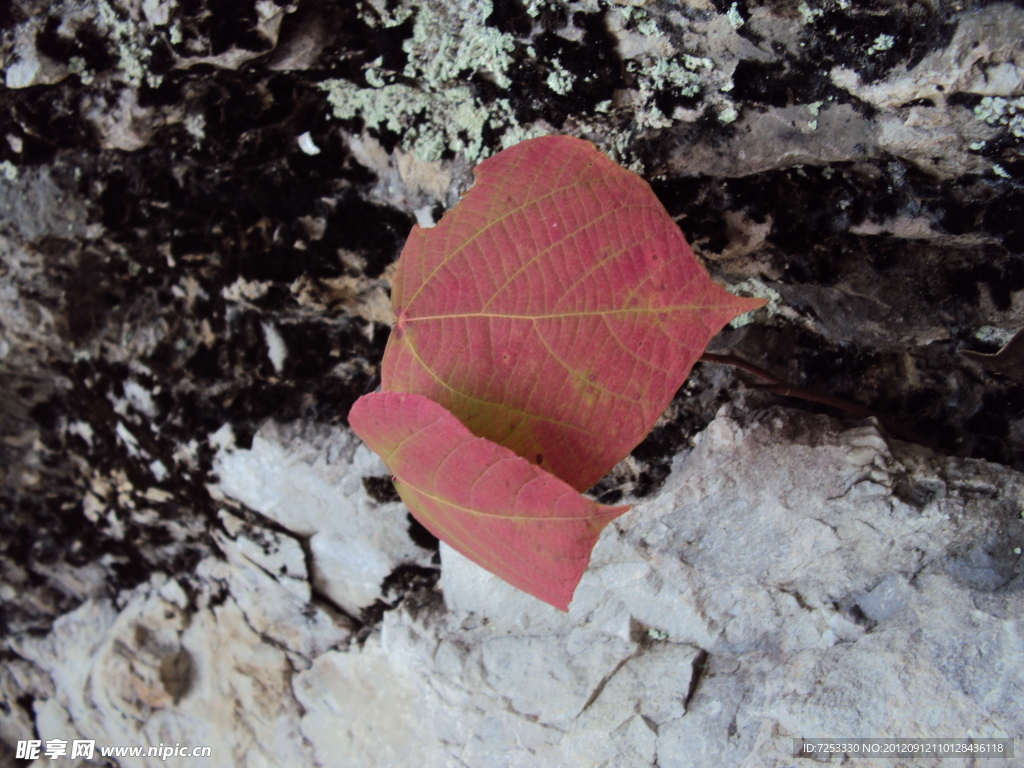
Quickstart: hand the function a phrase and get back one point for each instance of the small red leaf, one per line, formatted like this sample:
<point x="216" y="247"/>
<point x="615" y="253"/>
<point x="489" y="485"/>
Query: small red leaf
<point x="555" y="310"/>
<point x="504" y="513"/>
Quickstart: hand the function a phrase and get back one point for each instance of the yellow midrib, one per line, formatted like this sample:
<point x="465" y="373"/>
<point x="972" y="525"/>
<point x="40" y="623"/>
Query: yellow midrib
<point x="565" y="315"/>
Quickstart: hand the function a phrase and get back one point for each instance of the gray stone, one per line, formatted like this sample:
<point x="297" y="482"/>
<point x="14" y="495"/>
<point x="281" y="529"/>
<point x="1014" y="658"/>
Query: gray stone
<point x="311" y="483"/>
<point x="210" y="667"/>
<point x="785" y="583"/>
<point x="781" y="547"/>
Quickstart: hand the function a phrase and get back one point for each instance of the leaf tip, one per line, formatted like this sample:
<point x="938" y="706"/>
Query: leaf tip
<point x="750" y="303"/>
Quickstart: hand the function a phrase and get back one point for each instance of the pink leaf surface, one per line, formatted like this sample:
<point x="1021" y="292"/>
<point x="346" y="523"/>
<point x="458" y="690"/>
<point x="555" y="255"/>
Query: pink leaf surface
<point x="555" y="310"/>
<point x="504" y="513"/>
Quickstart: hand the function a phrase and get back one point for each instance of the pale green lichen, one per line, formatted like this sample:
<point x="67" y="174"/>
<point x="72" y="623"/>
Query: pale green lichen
<point x="736" y="19"/>
<point x="195" y="126"/>
<point x="995" y="110"/>
<point x="676" y="74"/>
<point x="728" y="114"/>
<point x="648" y="27"/>
<point x="451" y="42"/>
<point x="9" y="170"/>
<point x="129" y="35"/>
<point x="560" y="80"/>
<point x="77" y="66"/>
<point x="694" y="63"/>
<point x="809" y="14"/>
<point x="126" y="37"/>
<point x="657" y="634"/>
<point x="814" y="108"/>
<point x="645" y="24"/>
<point x="534" y="7"/>
<point x="1001" y="172"/>
<point x="990" y="334"/>
<point x="373" y="75"/>
<point x="514" y="132"/>
<point x="455" y="120"/>
<point x="385" y="17"/>
<point x="443" y="47"/>
<point x="683" y="75"/>
<point x="754" y="288"/>
<point x="881" y="43"/>
<point x="618" y="145"/>
<point x="386" y="107"/>
<point x="448" y="41"/>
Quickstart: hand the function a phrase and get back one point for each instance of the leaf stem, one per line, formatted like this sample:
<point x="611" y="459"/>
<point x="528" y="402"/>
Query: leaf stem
<point x="785" y="388"/>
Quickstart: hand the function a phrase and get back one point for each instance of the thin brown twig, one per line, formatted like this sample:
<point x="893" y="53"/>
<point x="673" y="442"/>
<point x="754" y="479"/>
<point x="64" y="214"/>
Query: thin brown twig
<point x="778" y="386"/>
<point x="743" y="365"/>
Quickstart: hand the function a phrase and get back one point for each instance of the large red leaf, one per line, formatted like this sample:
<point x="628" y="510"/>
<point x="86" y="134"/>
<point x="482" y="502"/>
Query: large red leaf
<point x="555" y="310"/>
<point x="504" y="513"/>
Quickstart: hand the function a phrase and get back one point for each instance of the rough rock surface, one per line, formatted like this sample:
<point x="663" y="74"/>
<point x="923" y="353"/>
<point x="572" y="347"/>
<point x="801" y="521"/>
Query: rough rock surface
<point x="827" y="581"/>
<point x="312" y="486"/>
<point x="200" y="204"/>
<point x="794" y="577"/>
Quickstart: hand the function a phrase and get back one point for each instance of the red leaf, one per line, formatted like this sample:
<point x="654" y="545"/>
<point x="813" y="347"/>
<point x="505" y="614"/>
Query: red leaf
<point x="547" y="320"/>
<point x="555" y="310"/>
<point x="504" y="513"/>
